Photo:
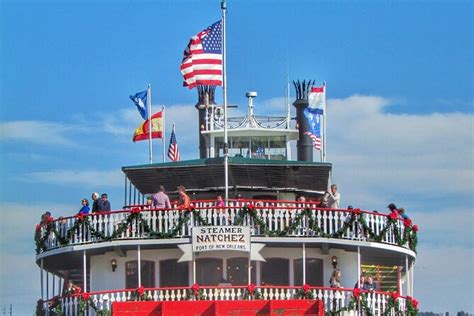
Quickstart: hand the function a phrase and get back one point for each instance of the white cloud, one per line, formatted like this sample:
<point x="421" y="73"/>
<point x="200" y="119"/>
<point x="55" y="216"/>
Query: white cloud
<point x="444" y="279"/>
<point x="91" y="178"/>
<point x="38" y="132"/>
<point x="19" y="274"/>
<point x="430" y="154"/>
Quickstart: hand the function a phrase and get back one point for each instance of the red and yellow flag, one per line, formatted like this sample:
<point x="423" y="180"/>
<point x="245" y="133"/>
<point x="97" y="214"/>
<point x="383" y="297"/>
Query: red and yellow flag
<point x="142" y="131"/>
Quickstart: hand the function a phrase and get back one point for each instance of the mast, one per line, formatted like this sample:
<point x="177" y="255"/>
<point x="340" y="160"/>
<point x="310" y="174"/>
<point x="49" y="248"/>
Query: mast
<point x="323" y="149"/>
<point x="163" y="131"/>
<point x="224" y="94"/>
<point x="150" y="152"/>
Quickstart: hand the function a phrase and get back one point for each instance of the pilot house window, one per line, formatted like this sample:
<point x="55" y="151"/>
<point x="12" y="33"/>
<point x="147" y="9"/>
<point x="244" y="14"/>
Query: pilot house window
<point x="275" y="271"/>
<point x="174" y="273"/>
<point x="147" y="274"/>
<point x="314" y="272"/>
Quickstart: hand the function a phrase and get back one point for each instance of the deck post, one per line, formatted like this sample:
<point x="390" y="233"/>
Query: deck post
<point x="407" y="276"/>
<point x="41" y="277"/>
<point x="249" y="272"/>
<point x="84" y="270"/>
<point x="54" y="284"/>
<point x="60" y="291"/>
<point x="125" y="192"/>
<point x="47" y="284"/>
<point x="139" y="254"/>
<point x="304" y="263"/>
<point x="358" y="266"/>
<point x="412" y="278"/>
<point x="194" y="267"/>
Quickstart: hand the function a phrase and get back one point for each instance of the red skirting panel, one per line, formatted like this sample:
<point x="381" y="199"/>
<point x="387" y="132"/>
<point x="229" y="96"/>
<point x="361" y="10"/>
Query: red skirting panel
<point x="214" y="308"/>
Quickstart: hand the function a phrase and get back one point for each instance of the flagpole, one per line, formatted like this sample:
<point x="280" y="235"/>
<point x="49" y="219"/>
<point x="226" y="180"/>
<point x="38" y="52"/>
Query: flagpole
<point x="288" y="119"/>
<point x="163" y="129"/>
<point x="224" y="93"/>
<point x="150" y="152"/>
<point x="325" y="113"/>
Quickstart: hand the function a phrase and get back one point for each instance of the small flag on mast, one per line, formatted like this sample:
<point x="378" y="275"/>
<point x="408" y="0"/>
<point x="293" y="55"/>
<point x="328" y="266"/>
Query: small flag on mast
<point x="173" y="152"/>
<point x="202" y="61"/>
<point x="139" y="99"/>
<point x="141" y="132"/>
<point x="314" y="113"/>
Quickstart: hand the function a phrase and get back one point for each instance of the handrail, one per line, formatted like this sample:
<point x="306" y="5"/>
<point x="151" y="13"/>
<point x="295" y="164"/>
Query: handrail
<point x="334" y="300"/>
<point x="301" y="205"/>
<point x="171" y="288"/>
<point x="294" y="220"/>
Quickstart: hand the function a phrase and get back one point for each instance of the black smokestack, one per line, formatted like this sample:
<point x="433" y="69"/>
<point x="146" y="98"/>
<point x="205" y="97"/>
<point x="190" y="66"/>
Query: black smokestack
<point x="304" y="145"/>
<point x="205" y="99"/>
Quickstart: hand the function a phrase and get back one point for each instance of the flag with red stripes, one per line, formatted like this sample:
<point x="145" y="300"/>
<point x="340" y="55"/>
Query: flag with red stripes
<point x="202" y="61"/>
<point x="316" y="140"/>
<point x="173" y="152"/>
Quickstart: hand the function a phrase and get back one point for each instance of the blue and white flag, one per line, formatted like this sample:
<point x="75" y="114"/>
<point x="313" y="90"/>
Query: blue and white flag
<point x="314" y="116"/>
<point x="139" y="100"/>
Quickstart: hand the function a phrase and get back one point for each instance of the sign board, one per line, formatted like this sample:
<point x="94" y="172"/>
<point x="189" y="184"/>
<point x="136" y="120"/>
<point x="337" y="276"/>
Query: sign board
<point x="211" y="238"/>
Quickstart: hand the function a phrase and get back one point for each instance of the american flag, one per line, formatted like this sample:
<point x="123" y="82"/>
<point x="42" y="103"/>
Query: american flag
<point x="202" y="61"/>
<point x="173" y="152"/>
<point x="316" y="140"/>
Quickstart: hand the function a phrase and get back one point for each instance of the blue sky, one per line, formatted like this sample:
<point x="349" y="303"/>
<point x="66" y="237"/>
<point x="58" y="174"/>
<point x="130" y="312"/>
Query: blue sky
<point x="399" y="79"/>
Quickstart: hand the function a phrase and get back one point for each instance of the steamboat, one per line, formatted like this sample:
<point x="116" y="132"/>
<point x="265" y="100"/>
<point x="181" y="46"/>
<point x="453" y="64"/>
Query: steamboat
<point x="266" y="251"/>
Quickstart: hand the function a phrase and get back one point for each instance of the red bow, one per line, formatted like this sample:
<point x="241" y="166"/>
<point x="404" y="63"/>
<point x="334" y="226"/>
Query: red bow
<point x="407" y="222"/>
<point x="393" y="216"/>
<point x="80" y="217"/>
<point x="85" y="296"/>
<point x="415" y="228"/>
<point x="135" y="210"/>
<point x="356" y="293"/>
<point x="395" y="295"/>
<point x="195" y="288"/>
<point x="306" y="288"/>
<point x="251" y="288"/>
<point x="140" y="290"/>
<point x="356" y="211"/>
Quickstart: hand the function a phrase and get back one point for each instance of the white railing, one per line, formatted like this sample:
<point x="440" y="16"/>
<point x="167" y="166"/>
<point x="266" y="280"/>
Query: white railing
<point x="276" y="216"/>
<point x="333" y="299"/>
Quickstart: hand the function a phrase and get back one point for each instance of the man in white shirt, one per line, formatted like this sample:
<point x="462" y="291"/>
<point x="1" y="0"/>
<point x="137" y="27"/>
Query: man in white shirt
<point x="333" y="197"/>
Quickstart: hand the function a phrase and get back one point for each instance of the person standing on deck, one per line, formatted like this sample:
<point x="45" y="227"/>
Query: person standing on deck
<point x="334" y="197"/>
<point x="95" y="201"/>
<point x="161" y="199"/>
<point x="103" y="204"/>
<point x="184" y="200"/>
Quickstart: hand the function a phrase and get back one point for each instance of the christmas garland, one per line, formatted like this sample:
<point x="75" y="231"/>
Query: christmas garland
<point x="356" y="217"/>
<point x="358" y="301"/>
<point x="304" y="293"/>
<point x="409" y="234"/>
<point x="251" y="293"/>
<point x="195" y="292"/>
<point x="135" y="216"/>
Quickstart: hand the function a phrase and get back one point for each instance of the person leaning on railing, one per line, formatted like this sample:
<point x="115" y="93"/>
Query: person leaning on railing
<point x="161" y="199"/>
<point x="369" y="284"/>
<point x="104" y="204"/>
<point x="184" y="201"/>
